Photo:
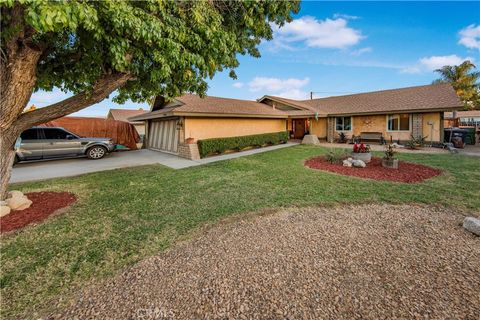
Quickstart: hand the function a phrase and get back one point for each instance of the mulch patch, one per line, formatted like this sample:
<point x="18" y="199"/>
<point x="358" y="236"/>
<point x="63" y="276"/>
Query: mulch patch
<point x="44" y="205"/>
<point x="407" y="172"/>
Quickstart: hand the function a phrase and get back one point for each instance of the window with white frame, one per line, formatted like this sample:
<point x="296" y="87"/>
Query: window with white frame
<point x="398" y="122"/>
<point x="343" y="123"/>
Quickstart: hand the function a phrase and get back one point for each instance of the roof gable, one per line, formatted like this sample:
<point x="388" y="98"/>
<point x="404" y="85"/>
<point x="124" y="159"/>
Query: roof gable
<point x="124" y="114"/>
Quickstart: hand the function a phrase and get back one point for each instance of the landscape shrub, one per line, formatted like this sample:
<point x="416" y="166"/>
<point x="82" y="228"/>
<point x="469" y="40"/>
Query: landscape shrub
<point x="220" y="145"/>
<point x="335" y="156"/>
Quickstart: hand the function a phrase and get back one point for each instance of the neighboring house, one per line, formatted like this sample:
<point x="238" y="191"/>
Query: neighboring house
<point x="394" y="114"/>
<point x="124" y="114"/>
<point x="462" y="119"/>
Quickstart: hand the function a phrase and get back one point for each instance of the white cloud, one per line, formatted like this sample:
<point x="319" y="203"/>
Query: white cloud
<point x="295" y="94"/>
<point x="361" y="51"/>
<point x="276" y="84"/>
<point x="287" y="88"/>
<point x="238" y="85"/>
<point x="470" y="37"/>
<point x="328" y="33"/>
<point x="435" y="62"/>
<point x="411" y="69"/>
<point x="345" y="16"/>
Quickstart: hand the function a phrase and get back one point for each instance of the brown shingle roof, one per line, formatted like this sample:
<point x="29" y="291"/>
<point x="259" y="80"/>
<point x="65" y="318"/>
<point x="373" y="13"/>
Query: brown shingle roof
<point x="439" y="97"/>
<point x="209" y="104"/>
<point x="124" y="114"/>
<point x="214" y="106"/>
<point x="420" y="98"/>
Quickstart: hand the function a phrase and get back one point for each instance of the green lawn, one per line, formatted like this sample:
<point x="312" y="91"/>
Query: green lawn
<point x="125" y="215"/>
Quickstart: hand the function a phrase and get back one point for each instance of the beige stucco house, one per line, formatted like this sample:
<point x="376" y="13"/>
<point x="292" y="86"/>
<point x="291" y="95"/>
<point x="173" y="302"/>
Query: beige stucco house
<point x="390" y="114"/>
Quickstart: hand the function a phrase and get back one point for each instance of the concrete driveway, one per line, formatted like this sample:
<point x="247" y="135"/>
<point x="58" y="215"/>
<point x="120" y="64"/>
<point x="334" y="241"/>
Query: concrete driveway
<point x="34" y="171"/>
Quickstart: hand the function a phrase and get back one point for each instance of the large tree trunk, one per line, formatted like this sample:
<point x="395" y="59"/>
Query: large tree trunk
<point x="7" y="156"/>
<point x="14" y="122"/>
<point x="17" y="80"/>
<point x="18" y="66"/>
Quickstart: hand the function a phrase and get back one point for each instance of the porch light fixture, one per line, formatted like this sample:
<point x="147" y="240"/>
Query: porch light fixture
<point x="179" y="125"/>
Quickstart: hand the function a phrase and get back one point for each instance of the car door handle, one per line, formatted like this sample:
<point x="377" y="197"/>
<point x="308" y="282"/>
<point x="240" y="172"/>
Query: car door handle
<point x="52" y="143"/>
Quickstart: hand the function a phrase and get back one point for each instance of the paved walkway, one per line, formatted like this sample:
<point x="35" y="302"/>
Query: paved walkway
<point x="34" y="171"/>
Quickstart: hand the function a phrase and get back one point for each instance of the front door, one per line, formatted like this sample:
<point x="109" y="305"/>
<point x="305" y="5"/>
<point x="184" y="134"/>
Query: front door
<point x="299" y="128"/>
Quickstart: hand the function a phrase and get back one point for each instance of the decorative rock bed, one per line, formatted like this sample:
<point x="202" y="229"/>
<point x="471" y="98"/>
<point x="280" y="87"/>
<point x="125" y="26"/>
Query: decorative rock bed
<point x="16" y="200"/>
<point x="407" y="172"/>
<point x="43" y="205"/>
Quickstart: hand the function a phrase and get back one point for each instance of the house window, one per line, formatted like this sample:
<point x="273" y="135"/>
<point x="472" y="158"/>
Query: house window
<point x="398" y="122"/>
<point x="343" y="123"/>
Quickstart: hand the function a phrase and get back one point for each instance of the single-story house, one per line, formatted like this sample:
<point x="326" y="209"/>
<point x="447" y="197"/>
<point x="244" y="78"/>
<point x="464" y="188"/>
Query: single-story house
<point x="124" y="114"/>
<point x="395" y="115"/>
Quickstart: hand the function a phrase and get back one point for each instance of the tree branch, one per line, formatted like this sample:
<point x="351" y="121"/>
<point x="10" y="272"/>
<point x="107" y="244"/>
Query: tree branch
<point x="102" y="88"/>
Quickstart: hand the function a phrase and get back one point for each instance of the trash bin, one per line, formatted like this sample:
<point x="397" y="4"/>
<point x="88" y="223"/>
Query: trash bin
<point x="455" y="132"/>
<point x="470" y="136"/>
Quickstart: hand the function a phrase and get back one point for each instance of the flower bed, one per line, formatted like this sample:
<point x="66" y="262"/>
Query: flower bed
<point x="44" y="205"/>
<point x="407" y="172"/>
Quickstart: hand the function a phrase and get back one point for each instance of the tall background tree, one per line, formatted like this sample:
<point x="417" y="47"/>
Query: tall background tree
<point x="138" y="49"/>
<point x="464" y="80"/>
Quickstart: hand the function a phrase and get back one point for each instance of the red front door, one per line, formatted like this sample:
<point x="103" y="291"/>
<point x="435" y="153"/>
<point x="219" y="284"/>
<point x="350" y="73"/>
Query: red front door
<point x="299" y="128"/>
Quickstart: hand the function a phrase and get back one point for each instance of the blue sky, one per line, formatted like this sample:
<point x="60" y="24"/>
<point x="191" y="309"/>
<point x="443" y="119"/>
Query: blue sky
<point x="335" y="48"/>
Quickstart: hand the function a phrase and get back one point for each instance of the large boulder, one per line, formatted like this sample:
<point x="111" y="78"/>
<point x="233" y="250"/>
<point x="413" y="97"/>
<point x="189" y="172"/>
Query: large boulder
<point x="358" y="163"/>
<point x="347" y="163"/>
<point x="4" y="209"/>
<point x="15" y="193"/>
<point x="310" y="139"/>
<point x="18" y="203"/>
<point x="472" y="224"/>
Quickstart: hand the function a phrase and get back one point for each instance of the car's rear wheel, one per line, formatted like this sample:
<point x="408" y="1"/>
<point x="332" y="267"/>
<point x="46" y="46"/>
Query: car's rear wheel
<point x="96" y="152"/>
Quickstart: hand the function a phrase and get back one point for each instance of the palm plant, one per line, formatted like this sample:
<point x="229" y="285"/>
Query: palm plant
<point x="464" y="80"/>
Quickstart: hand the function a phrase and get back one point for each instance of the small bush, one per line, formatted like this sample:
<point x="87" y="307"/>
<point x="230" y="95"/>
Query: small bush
<point x="335" y="156"/>
<point x="220" y="145"/>
<point x="416" y="142"/>
<point x="361" y="148"/>
<point x="389" y="152"/>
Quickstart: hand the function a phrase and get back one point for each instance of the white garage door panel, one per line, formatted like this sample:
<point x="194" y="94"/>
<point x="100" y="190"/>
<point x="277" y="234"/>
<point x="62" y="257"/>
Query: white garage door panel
<point x="163" y="135"/>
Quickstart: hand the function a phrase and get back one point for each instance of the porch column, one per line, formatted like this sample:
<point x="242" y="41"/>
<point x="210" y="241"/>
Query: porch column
<point x="417" y="125"/>
<point x="330" y="129"/>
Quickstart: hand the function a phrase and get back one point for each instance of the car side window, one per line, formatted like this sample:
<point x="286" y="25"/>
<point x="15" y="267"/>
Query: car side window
<point x="55" y="134"/>
<point x="30" y="134"/>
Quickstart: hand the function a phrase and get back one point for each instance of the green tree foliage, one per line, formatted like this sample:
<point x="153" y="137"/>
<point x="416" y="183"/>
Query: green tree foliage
<point x="464" y="80"/>
<point x="167" y="46"/>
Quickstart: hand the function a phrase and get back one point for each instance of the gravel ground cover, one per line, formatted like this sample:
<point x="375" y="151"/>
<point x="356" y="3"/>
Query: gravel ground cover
<point x="344" y="262"/>
<point x="407" y="172"/>
<point x="44" y="205"/>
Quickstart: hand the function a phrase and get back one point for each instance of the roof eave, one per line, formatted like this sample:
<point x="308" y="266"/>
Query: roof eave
<point x="149" y="116"/>
<point x="228" y="115"/>
<point x="395" y="111"/>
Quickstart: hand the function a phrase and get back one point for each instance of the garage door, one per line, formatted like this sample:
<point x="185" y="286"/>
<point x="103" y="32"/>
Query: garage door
<point x="163" y="135"/>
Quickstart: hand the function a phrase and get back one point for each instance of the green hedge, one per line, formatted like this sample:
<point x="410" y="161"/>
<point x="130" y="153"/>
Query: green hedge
<point x="220" y="145"/>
